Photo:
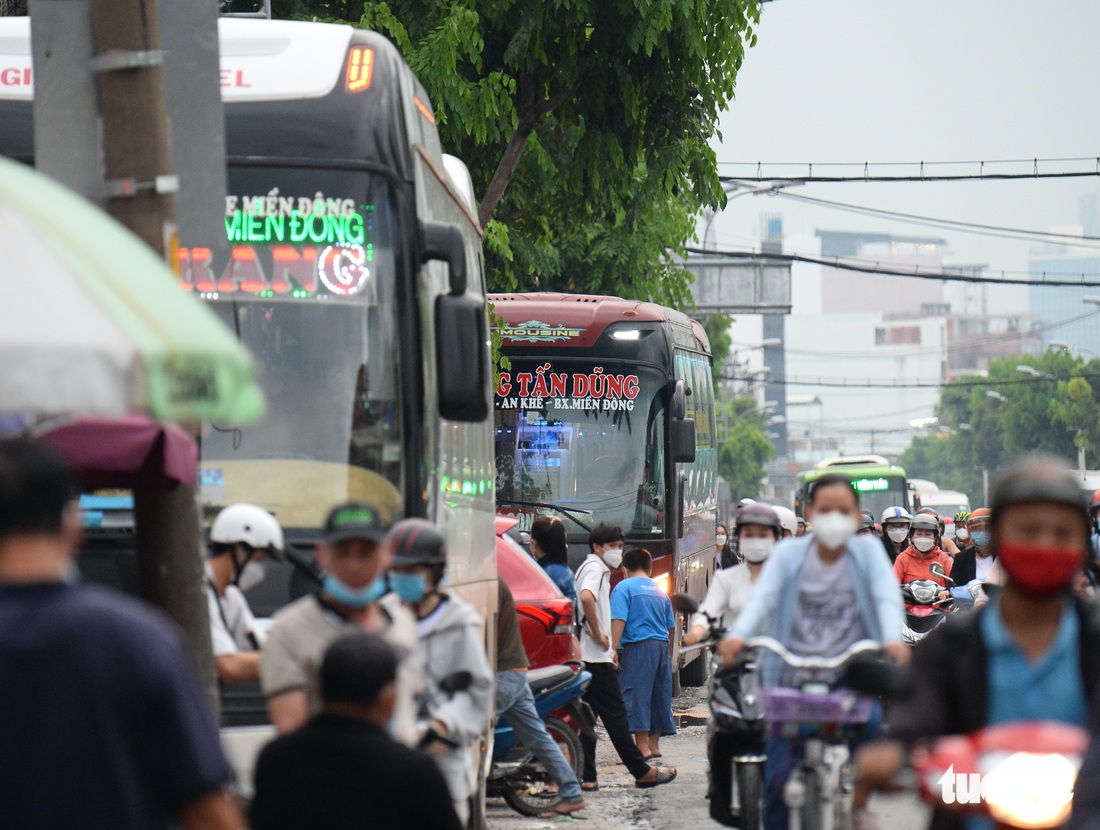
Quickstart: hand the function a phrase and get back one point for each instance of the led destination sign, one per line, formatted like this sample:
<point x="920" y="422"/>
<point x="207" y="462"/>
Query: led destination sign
<point x="865" y="485"/>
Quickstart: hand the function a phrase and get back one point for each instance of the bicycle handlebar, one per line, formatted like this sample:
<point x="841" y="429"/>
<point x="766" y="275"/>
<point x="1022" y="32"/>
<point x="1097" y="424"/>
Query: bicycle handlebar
<point x="820" y="663"/>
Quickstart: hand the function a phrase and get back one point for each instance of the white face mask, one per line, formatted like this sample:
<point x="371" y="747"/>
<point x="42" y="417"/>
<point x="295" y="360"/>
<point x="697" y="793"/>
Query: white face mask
<point x="962" y="534"/>
<point x="252" y="574"/>
<point x="833" y="529"/>
<point x="756" y="550"/>
<point x="898" y="534"/>
<point x="924" y="544"/>
<point x="720" y="539"/>
<point x="613" y="557"/>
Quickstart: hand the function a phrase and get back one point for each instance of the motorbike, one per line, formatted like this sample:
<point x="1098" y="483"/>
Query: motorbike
<point x="924" y="610"/>
<point x="735" y="733"/>
<point x="516" y="775"/>
<point x="1021" y="774"/>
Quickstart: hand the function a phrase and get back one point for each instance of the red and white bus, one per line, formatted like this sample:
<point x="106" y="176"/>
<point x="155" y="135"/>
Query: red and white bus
<point x="606" y="414"/>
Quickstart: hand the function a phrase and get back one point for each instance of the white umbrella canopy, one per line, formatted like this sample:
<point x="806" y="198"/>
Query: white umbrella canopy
<point x="91" y="320"/>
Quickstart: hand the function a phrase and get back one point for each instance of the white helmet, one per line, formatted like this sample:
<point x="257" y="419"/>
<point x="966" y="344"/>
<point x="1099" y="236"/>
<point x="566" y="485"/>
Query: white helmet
<point x="787" y="520"/>
<point x="249" y="524"/>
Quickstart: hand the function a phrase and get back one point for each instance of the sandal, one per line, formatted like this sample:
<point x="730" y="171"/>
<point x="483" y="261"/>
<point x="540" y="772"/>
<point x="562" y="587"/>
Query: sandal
<point x="590" y="786"/>
<point x="661" y="775"/>
<point x="654" y="756"/>
<point x="564" y="808"/>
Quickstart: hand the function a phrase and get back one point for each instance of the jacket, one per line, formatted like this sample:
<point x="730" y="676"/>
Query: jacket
<point x="771" y="606"/>
<point x="948" y="688"/>
<point x="451" y="641"/>
<point x="911" y="565"/>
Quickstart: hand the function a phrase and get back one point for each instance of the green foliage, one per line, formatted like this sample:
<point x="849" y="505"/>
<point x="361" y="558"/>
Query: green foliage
<point x="590" y="120"/>
<point x="743" y="447"/>
<point x="717" y="328"/>
<point x="1057" y="413"/>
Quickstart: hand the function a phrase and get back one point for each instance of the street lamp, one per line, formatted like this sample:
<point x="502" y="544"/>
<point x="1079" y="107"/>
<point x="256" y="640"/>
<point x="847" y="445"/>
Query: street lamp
<point x="997" y="396"/>
<point x="1091" y="300"/>
<point x="1035" y="373"/>
<point x="775" y="421"/>
<point x="1069" y="347"/>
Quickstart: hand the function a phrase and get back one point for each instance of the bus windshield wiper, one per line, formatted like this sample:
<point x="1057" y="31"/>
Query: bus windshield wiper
<point x="566" y="511"/>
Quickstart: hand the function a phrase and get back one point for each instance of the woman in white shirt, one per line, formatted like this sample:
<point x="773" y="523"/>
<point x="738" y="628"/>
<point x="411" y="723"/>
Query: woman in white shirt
<point x="757" y="531"/>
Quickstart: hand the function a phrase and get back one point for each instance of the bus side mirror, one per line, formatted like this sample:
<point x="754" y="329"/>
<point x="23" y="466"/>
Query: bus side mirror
<point x="462" y="358"/>
<point x="682" y="435"/>
<point x="442" y="240"/>
<point x="679" y="401"/>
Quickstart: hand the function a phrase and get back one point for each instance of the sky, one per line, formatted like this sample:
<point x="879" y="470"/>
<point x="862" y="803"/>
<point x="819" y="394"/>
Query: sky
<point x="905" y="81"/>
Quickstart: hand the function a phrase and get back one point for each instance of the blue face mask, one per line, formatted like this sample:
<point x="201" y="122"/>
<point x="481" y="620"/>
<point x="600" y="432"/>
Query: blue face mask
<point x="351" y="597"/>
<point x="410" y="587"/>
<point x="981" y="538"/>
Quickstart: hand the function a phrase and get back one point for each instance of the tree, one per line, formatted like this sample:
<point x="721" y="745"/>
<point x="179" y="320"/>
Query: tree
<point x="717" y="328"/>
<point x="1054" y="411"/>
<point x="585" y="124"/>
<point x="743" y="447"/>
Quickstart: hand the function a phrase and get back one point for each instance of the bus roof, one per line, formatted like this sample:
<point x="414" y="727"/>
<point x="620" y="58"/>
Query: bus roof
<point x="580" y="319"/>
<point x="853" y="471"/>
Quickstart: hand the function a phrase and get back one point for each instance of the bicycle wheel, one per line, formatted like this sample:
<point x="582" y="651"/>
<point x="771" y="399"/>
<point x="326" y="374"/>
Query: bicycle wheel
<point x="811" y="808"/>
<point x="532" y="791"/>
<point x="750" y="790"/>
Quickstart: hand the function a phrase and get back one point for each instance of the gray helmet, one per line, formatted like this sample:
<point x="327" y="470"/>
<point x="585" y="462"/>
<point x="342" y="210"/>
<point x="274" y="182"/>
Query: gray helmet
<point x="416" y="542"/>
<point x="926" y="521"/>
<point x="758" y="514"/>
<point x="1039" y="478"/>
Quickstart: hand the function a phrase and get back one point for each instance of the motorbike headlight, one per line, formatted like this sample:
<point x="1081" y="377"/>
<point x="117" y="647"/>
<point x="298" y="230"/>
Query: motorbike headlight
<point x="1029" y="790"/>
<point x="924" y="593"/>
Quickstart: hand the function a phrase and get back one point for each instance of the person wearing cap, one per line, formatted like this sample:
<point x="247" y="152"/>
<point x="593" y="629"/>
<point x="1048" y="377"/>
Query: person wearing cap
<point x="354" y="596"/>
<point x="946" y="545"/>
<point x="974" y="562"/>
<point x="866" y="524"/>
<point x="915" y="562"/>
<point x="241" y="538"/>
<point x="802" y="526"/>
<point x="788" y="521"/>
<point x="343" y="770"/>
<point x="895" y="531"/>
<point x="104" y="724"/>
<point x="450" y="721"/>
<point x="1032" y="653"/>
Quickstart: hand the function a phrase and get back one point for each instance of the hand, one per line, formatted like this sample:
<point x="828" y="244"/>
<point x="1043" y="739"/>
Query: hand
<point x="898" y="652"/>
<point x="878" y="762"/>
<point x="694" y="636"/>
<point x="603" y="641"/>
<point x="615" y="660"/>
<point x="729" y="648"/>
<point x="945" y="595"/>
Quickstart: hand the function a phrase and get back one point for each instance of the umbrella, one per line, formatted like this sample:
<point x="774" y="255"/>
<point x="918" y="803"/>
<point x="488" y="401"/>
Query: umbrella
<point x="130" y="452"/>
<point x="91" y="320"/>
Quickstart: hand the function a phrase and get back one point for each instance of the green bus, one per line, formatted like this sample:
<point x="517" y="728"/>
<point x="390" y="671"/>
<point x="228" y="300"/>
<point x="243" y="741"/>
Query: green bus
<point x="879" y="483"/>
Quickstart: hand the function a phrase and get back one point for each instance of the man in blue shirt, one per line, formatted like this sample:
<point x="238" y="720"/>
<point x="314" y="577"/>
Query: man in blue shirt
<point x="643" y="625"/>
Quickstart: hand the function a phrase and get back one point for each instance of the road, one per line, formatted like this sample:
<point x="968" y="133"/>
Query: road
<point x="681" y="805"/>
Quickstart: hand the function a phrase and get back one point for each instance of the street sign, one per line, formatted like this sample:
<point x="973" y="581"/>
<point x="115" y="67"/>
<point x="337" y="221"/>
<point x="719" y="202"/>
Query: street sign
<point x="748" y="286"/>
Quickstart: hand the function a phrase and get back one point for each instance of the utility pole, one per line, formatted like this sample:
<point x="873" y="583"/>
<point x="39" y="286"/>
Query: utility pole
<point x="140" y="186"/>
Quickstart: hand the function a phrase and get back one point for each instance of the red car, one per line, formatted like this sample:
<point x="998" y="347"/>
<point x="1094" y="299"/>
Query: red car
<point x="545" y="616"/>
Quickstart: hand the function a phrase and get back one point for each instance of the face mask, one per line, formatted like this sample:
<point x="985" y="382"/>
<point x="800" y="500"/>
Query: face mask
<point x="352" y="597"/>
<point x="833" y="529"/>
<point x="410" y="587"/>
<point x="898" y="534"/>
<point x="613" y="557"/>
<point x="924" y="544"/>
<point x="1040" y="571"/>
<point x="720" y="539"/>
<point x="981" y="538"/>
<point x="756" y="550"/>
<point x="252" y="574"/>
<point x="962" y="534"/>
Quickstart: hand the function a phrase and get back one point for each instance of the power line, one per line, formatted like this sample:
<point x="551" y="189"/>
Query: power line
<point x="920" y="175"/>
<point x="928" y="384"/>
<point x="998" y="231"/>
<point x="850" y="264"/>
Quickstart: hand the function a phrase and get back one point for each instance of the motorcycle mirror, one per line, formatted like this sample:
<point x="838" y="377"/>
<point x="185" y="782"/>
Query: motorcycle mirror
<point x="937" y="570"/>
<point x="454" y="682"/>
<point x="685" y="603"/>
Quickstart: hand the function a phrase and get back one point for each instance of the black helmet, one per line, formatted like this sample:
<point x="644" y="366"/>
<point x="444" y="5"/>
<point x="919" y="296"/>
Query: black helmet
<point x="416" y="542"/>
<point x="1038" y="478"/>
<point x="758" y="514"/>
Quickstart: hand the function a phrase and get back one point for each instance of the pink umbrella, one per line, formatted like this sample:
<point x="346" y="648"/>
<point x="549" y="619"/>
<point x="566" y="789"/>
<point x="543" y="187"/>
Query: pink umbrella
<point x="129" y="452"/>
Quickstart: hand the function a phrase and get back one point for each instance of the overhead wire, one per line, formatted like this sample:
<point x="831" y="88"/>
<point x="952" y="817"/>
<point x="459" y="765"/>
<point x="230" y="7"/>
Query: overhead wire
<point x="847" y="383"/>
<point x="921" y="175"/>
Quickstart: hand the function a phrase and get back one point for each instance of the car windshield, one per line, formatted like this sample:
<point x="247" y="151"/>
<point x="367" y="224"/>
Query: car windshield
<point x="585" y="437"/>
<point x="309" y="288"/>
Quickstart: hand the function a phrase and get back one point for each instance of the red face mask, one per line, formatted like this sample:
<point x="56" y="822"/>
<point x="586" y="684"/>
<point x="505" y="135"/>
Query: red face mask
<point x="1039" y="570"/>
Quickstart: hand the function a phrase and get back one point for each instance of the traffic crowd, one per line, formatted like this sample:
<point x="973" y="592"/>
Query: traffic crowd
<point x="104" y="724"/>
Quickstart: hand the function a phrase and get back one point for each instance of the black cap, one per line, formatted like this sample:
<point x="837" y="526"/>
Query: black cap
<point x="354" y="520"/>
<point x="356" y="667"/>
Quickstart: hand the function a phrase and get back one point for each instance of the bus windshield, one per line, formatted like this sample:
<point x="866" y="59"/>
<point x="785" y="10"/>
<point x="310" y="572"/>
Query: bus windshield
<point x="309" y="288"/>
<point x="586" y="437"/>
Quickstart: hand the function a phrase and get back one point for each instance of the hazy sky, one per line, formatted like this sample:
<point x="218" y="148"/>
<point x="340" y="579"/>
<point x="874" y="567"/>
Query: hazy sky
<point x="935" y="80"/>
